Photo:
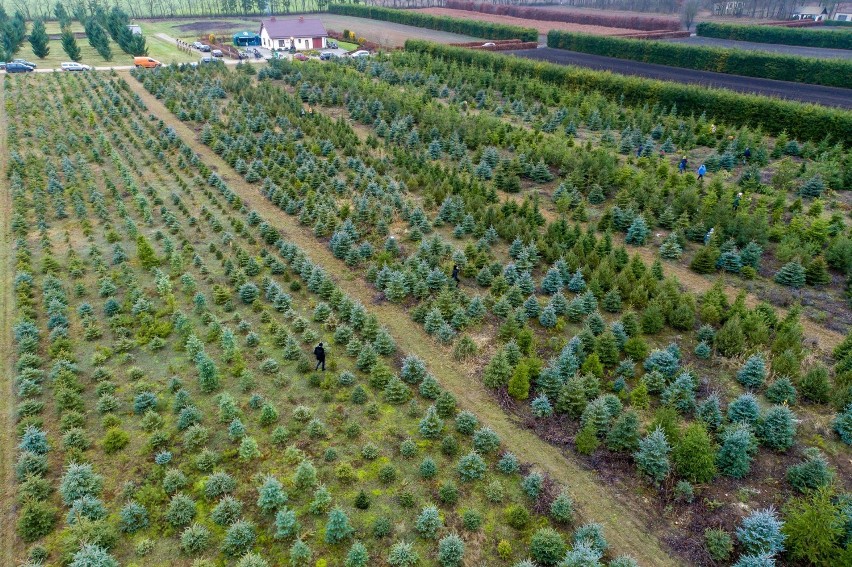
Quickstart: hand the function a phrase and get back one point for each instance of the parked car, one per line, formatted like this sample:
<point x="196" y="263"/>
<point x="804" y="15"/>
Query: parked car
<point x="205" y="48"/>
<point x="207" y="59"/>
<point x="74" y="66"/>
<point x="489" y="44"/>
<point x="197" y="44"/>
<point x="360" y="53"/>
<point x="14" y="67"/>
<point x="326" y="55"/>
<point x="217" y="53"/>
<point x="300" y="57"/>
<point x="25" y="62"/>
<point x="146" y="62"/>
<point x="2" y="65"/>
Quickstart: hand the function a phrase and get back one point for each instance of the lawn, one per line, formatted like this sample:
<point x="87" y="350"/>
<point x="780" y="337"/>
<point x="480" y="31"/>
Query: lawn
<point x="347" y="45"/>
<point x="159" y="49"/>
<point x="57" y="55"/>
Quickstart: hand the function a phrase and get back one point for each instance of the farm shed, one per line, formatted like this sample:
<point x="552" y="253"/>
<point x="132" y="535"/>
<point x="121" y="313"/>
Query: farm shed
<point x="247" y="39"/>
<point x="301" y="34"/>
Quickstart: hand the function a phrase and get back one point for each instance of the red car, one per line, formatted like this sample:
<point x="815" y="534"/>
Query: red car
<point x="300" y="57"/>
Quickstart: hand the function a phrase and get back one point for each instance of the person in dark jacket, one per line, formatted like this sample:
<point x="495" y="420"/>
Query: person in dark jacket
<point x="682" y="165"/>
<point x="456" y="273"/>
<point x="319" y="352"/>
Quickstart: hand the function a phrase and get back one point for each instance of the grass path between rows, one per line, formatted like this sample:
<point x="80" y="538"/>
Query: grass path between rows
<point x="629" y="527"/>
<point x="7" y="418"/>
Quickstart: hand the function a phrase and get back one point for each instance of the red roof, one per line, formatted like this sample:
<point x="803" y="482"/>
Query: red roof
<point x="285" y="29"/>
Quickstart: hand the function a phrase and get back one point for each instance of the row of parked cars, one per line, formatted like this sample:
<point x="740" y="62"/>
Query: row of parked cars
<point x="24" y="66"/>
<point x="327" y="55"/>
<point x="204" y="48"/>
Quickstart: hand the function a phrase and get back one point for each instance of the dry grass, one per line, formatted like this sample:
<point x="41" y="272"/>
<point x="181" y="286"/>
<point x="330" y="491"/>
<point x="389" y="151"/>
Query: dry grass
<point x="541" y="25"/>
<point x="630" y="528"/>
<point x="7" y="421"/>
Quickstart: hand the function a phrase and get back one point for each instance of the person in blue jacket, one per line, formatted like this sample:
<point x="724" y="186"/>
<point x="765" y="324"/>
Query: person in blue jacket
<point x="701" y="171"/>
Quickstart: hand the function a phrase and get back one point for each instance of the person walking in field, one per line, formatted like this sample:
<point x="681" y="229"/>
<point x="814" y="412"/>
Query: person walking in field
<point x="701" y="171"/>
<point x="319" y="352"/>
<point x="681" y="167"/>
<point x="456" y="274"/>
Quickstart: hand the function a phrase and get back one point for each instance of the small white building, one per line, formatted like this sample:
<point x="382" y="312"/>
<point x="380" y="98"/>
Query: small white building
<point x="301" y="33"/>
<point x="815" y="13"/>
<point x="843" y="13"/>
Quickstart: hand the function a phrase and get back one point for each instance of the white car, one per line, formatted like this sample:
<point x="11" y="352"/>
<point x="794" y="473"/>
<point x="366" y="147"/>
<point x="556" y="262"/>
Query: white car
<point x="360" y="53"/>
<point x="74" y="66"/>
<point x="489" y="44"/>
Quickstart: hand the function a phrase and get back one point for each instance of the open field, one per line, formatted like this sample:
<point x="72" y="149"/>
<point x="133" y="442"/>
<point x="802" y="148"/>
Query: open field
<point x="818" y="94"/>
<point x="801" y="51"/>
<point x="541" y="25"/>
<point x="559" y="324"/>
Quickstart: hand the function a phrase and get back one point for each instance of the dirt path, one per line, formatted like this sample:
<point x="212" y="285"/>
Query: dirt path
<point x="7" y="394"/>
<point x="628" y="526"/>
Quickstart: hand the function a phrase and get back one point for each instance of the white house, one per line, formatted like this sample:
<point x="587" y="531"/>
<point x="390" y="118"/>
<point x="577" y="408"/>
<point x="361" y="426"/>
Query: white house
<point x="843" y="13"/>
<point x="301" y="33"/>
<point x="815" y="13"/>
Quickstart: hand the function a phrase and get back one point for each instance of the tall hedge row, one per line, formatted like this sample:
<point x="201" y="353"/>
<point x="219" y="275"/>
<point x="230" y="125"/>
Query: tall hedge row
<point x="801" y="121"/>
<point x="471" y="27"/>
<point x="809" y="37"/>
<point x="830" y="72"/>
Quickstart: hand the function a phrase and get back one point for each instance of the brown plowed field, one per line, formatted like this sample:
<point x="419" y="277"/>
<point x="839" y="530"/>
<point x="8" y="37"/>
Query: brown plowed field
<point x="542" y="26"/>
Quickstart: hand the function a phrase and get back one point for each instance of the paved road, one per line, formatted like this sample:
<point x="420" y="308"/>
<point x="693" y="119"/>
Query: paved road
<point x="799" y="50"/>
<point x="829" y="96"/>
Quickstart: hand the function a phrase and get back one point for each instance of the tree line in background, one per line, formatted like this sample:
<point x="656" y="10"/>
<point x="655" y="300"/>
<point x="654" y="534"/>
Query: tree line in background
<point x="47" y="9"/>
<point x="100" y="24"/>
